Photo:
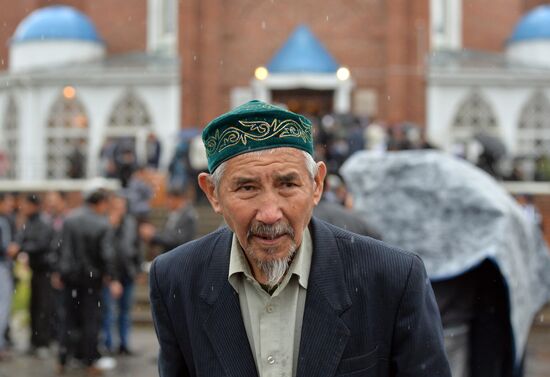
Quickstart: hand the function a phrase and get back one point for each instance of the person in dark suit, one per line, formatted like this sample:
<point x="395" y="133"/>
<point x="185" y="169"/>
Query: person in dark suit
<point x="86" y="262"/>
<point x="35" y="238"/>
<point x="334" y="212"/>
<point x="278" y="292"/>
<point x="180" y="226"/>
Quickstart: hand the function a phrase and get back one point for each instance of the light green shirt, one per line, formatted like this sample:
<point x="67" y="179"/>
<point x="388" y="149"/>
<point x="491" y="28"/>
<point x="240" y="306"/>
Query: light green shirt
<point x="273" y="323"/>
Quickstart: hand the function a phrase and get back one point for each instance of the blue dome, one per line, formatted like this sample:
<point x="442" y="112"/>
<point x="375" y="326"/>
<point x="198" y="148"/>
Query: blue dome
<point x="534" y="25"/>
<point x="302" y="52"/>
<point x="54" y="23"/>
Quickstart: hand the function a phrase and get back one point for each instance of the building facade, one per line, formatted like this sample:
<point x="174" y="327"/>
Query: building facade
<point x="70" y="90"/>
<point x="177" y="64"/>
<point x="505" y="95"/>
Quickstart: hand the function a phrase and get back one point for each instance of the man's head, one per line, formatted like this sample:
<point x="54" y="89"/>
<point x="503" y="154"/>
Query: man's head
<point x="98" y="200"/>
<point x="264" y="182"/>
<point x="118" y="203"/>
<point x="55" y="203"/>
<point x="7" y="203"/>
<point x="176" y="198"/>
<point x="30" y="204"/>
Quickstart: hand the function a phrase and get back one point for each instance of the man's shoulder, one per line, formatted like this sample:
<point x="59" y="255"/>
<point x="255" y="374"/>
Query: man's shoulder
<point x="367" y="262"/>
<point x="194" y="253"/>
<point x="359" y="248"/>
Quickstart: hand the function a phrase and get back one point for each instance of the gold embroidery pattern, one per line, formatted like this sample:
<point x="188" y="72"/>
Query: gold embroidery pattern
<point x="256" y="131"/>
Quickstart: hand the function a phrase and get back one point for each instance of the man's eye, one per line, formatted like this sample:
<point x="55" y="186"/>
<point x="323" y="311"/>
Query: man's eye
<point x="246" y="188"/>
<point x="289" y="184"/>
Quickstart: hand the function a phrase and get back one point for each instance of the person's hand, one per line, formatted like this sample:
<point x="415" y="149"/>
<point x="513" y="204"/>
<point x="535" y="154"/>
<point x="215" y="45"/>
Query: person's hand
<point x="12" y="250"/>
<point x="147" y="231"/>
<point x="56" y="281"/>
<point x="116" y="289"/>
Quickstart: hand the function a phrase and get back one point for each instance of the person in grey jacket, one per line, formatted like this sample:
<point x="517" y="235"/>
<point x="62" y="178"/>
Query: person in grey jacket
<point x="86" y="262"/>
<point x="180" y="227"/>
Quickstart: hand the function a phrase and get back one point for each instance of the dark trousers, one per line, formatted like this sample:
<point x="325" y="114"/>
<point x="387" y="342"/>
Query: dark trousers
<point x="41" y="309"/>
<point x="82" y="323"/>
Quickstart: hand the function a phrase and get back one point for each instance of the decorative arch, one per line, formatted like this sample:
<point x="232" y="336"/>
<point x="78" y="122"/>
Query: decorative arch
<point x="11" y="137"/>
<point x="128" y="125"/>
<point x="534" y="126"/>
<point x="67" y="138"/>
<point x="129" y="112"/>
<point x="474" y="116"/>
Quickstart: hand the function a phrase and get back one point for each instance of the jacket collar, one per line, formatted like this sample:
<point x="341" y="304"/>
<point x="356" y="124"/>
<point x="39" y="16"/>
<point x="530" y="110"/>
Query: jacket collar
<point x="327" y="298"/>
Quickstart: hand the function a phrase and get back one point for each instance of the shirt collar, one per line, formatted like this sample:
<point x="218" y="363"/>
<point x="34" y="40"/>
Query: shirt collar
<point x="300" y="266"/>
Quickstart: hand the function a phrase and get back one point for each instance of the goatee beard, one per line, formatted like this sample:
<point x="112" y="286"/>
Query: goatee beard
<point x="275" y="269"/>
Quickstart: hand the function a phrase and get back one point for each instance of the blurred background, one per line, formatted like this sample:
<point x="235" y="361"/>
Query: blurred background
<point x="120" y="90"/>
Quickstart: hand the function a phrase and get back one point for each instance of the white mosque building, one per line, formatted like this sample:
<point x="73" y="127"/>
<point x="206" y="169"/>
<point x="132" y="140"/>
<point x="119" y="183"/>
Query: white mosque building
<point x="62" y="91"/>
<point x="505" y="95"/>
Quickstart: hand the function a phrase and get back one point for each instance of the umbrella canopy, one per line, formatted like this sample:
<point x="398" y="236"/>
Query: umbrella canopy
<point x="455" y="216"/>
<point x="492" y="145"/>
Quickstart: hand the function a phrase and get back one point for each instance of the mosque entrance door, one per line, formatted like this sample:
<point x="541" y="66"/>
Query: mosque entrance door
<point x="305" y="101"/>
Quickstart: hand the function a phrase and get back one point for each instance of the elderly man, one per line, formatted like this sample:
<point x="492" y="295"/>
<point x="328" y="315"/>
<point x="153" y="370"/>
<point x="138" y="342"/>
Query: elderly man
<point x="277" y="293"/>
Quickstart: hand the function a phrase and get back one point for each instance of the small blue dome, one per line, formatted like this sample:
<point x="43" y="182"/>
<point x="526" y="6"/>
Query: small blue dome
<point x="302" y="52"/>
<point x="534" y="25"/>
<point x="56" y="22"/>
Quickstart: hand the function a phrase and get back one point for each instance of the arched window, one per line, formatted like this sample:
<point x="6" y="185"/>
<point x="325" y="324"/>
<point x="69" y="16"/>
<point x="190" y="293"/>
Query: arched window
<point x="128" y="125"/>
<point x="11" y="139"/>
<point x="129" y="112"/>
<point x="67" y="138"/>
<point x="474" y="116"/>
<point x="534" y="126"/>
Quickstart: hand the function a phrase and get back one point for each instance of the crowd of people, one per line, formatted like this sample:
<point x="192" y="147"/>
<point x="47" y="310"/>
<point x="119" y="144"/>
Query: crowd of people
<point x="84" y="263"/>
<point x="85" y="260"/>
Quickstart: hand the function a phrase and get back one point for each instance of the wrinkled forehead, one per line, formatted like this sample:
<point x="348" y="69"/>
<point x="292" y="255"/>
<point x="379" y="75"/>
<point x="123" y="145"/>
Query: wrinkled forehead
<point x="266" y="169"/>
<point x="276" y="158"/>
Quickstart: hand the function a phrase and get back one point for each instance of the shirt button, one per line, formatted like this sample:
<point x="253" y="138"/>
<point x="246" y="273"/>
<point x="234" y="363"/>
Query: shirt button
<point x="269" y="309"/>
<point x="270" y="360"/>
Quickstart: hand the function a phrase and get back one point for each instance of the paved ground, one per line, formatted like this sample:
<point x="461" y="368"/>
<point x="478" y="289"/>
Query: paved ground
<point x="143" y="364"/>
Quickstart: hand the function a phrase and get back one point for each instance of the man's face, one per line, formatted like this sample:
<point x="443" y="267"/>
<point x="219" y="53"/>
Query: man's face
<point x="175" y="202"/>
<point x="118" y="205"/>
<point x="54" y="203"/>
<point x="7" y="205"/>
<point x="27" y="208"/>
<point x="267" y="200"/>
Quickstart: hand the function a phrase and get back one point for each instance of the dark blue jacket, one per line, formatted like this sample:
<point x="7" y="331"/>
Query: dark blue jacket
<point x="370" y="311"/>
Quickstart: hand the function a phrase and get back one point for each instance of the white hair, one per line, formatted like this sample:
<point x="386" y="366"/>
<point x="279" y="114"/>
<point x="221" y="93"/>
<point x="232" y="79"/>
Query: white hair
<point x="311" y="166"/>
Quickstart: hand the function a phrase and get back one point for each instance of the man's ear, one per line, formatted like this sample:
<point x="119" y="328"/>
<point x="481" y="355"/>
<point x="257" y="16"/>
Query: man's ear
<point x="319" y="182"/>
<point x="209" y="190"/>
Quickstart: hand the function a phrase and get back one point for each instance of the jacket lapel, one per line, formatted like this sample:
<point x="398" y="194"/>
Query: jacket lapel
<point x="324" y="333"/>
<point x="224" y="325"/>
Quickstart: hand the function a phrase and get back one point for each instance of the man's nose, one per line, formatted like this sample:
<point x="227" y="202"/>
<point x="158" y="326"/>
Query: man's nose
<point x="269" y="211"/>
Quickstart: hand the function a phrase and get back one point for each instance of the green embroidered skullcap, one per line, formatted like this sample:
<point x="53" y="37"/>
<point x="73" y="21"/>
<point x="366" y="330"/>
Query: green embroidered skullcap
<point x="254" y="126"/>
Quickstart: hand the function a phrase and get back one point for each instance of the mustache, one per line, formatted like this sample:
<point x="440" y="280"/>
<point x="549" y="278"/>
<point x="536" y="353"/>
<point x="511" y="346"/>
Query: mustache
<point x="270" y="231"/>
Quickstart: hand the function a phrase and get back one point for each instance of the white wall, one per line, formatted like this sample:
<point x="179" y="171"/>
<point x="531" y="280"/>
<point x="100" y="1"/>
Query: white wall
<point x="506" y="102"/>
<point x="30" y="55"/>
<point x="534" y="52"/>
<point x="32" y="161"/>
<point x="162" y="102"/>
<point x="442" y="103"/>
